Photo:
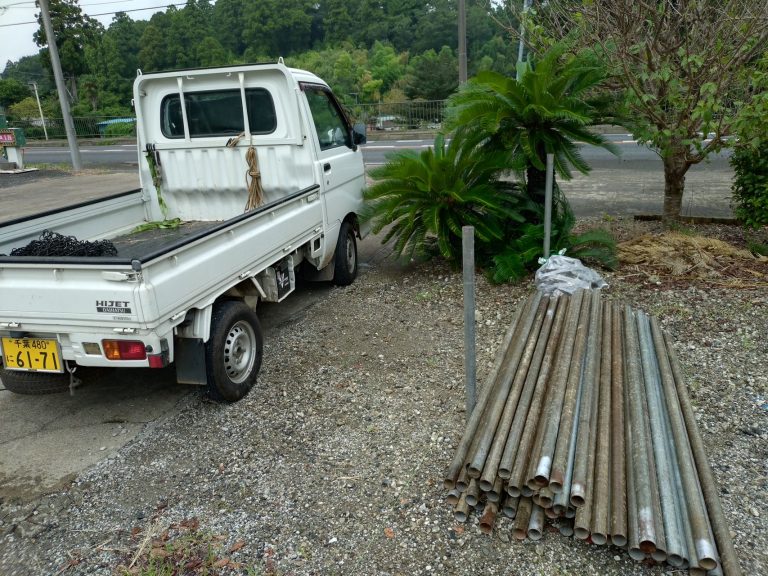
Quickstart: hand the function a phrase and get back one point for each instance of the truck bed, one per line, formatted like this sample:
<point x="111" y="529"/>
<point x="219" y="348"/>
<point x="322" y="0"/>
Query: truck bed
<point x="147" y="243"/>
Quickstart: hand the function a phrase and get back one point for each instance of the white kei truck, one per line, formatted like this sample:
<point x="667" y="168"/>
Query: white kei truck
<point x="250" y="175"/>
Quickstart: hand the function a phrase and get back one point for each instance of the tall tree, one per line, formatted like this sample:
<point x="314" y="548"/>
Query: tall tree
<point x="30" y="69"/>
<point x="74" y="31"/>
<point x="228" y="25"/>
<point x="432" y="75"/>
<point x="278" y="27"/>
<point x="12" y="91"/>
<point x="683" y="65"/>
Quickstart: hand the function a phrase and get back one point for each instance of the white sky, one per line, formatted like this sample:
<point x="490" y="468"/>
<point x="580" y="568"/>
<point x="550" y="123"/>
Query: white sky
<point x="16" y="36"/>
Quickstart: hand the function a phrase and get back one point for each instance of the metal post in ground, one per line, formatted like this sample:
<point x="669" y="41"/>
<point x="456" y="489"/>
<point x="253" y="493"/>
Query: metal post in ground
<point x="468" y="252"/>
<point x="548" y="202"/>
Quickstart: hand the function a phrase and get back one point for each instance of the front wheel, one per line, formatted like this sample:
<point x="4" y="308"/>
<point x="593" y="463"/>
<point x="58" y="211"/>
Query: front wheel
<point x="233" y="352"/>
<point x="345" y="260"/>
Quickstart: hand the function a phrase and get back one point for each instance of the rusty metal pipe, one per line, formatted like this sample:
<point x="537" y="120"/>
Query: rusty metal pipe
<point x="546" y="498"/>
<point x="536" y="523"/>
<point x="473" y="493"/>
<point x="517" y="332"/>
<point x="512" y="379"/>
<point x="495" y="493"/>
<point x="488" y="519"/>
<point x="527" y="383"/>
<point x="568" y="426"/>
<point x="541" y="458"/>
<point x="641" y="458"/>
<point x="453" y="497"/>
<point x="523" y="517"/>
<point x="510" y="506"/>
<point x="518" y="404"/>
<point x="618" y="527"/>
<point x="462" y="482"/>
<point x="587" y="412"/>
<point x="461" y="511"/>
<point x="582" y="524"/>
<point x="562" y="497"/>
<point x="566" y="527"/>
<point x="531" y="431"/>
<point x="713" y="511"/>
<point x="601" y="485"/>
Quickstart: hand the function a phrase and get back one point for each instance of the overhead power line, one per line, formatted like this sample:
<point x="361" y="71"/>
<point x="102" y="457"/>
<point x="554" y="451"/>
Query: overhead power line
<point x="103" y="14"/>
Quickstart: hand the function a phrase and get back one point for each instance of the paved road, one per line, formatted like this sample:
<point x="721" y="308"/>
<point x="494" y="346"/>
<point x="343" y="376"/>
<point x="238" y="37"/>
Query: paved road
<point x="374" y="152"/>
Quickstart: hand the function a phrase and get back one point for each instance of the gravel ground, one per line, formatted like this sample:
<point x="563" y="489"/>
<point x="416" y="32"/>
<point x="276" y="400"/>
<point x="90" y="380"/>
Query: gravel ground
<point x="333" y="464"/>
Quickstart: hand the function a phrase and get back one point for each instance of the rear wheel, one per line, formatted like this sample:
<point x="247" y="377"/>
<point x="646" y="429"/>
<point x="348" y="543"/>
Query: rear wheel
<point x="34" y="383"/>
<point x="345" y="261"/>
<point x="234" y="351"/>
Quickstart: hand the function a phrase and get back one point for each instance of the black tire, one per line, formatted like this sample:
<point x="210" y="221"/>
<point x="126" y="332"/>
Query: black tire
<point x="34" y="383"/>
<point x="345" y="259"/>
<point x="233" y="352"/>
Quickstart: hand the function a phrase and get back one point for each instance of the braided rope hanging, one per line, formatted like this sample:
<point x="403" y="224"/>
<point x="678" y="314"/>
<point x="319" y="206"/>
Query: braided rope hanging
<point x="252" y="175"/>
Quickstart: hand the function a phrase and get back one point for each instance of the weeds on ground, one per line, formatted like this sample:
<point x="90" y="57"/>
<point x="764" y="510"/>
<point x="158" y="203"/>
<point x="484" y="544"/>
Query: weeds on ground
<point x="182" y="549"/>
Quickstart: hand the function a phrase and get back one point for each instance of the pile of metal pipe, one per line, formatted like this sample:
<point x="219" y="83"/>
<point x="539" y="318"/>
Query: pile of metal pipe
<point x="584" y="419"/>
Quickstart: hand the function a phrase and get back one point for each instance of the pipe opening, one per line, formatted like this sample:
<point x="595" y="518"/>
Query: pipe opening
<point x="599" y="539"/>
<point x="619" y="540"/>
<point x="581" y="533"/>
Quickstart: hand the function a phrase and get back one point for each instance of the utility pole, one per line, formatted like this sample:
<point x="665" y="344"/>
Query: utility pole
<point x="40" y="108"/>
<point x="462" y="42"/>
<point x="521" y="46"/>
<point x="61" y="88"/>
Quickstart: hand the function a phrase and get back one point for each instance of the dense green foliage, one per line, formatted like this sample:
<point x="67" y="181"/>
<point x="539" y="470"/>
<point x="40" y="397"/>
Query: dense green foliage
<point x="546" y="110"/>
<point x="683" y="69"/>
<point x="750" y="155"/>
<point x="368" y="51"/>
<point x="425" y="197"/>
<point x="750" y="184"/>
<point x="501" y="126"/>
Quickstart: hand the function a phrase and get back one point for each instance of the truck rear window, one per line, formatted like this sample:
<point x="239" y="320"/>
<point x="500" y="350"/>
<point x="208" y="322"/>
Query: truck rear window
<point x="218" y="113"/>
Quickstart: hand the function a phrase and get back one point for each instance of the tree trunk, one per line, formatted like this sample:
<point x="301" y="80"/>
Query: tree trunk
<point x="675" y="168"/>
<point x="536" y="184"/>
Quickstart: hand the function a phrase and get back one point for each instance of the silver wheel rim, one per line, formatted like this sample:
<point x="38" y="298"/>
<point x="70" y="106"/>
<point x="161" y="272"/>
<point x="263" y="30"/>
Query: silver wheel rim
<point x="239" y="351"/>
<point x="351" y="256"/>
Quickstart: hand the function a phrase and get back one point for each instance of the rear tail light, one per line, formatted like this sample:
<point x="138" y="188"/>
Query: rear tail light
<point x="124" y="349"/>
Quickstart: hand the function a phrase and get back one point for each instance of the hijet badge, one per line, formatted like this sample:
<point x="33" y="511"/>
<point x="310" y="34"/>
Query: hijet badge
<point x="113" y="306"/>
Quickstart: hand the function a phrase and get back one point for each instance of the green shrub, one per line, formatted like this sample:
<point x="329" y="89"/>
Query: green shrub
<point x="750" y="184"/>
<point x="426" y="197"/>
<point x="522" y="248"/>
<point x="120" y="129"/>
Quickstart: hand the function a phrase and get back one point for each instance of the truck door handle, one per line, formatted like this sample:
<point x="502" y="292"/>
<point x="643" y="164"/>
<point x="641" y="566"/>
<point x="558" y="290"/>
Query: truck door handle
<point x="327" y="167"/>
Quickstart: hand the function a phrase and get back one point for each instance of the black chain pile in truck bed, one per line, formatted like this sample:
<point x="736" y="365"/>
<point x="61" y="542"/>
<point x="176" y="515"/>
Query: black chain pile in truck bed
<point x="55" y="244"/>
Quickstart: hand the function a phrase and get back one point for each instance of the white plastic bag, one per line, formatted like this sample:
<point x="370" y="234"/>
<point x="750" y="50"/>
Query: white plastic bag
<point x="565" y="275"/>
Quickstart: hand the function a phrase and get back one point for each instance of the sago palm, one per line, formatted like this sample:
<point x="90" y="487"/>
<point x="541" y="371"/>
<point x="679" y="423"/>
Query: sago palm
<point x="547" y="110"/>
<point x="427" y="197"/>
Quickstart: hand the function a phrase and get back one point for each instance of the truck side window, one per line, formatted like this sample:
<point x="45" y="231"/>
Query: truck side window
<point x="218" y="113"/>
<point x="330" y="124"/>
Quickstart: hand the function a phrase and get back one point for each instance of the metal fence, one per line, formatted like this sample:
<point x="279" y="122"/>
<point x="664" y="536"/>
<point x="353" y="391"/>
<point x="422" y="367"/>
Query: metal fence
<point x="85" y="127"/>
<point x="390" y="116"/>
<point x="385" y="116"/>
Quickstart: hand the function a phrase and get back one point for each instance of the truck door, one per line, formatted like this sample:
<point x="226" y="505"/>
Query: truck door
<point x="340" y="162"/>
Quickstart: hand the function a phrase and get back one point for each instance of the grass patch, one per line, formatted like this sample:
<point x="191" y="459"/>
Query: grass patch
<point x="181" y="549"/>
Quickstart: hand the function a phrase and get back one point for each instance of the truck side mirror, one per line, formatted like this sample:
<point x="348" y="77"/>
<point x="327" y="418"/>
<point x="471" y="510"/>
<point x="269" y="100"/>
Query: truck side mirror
<point x="358" y="134"/>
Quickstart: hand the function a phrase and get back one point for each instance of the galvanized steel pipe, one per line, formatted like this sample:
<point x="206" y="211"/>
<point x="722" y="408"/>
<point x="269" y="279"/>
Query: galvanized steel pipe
<point x="512" y="379"/>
